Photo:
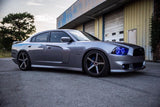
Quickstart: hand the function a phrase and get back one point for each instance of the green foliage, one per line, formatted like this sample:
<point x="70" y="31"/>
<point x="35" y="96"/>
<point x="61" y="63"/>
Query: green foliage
<point x="4" y="53"/>
<point x="16" y="27"/>
<point x="7" y="43"/>
<point x="155" y="33"/>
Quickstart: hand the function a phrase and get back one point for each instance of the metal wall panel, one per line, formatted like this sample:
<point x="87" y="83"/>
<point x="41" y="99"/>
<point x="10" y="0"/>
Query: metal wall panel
<point x="137" y="15"/>
<point x="90" y="27"/>
<point x="98" y="27"/>
<point x="114" y="26"/>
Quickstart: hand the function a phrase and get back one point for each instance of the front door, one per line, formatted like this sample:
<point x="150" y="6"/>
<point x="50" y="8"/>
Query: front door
<point x="57" y="52"/>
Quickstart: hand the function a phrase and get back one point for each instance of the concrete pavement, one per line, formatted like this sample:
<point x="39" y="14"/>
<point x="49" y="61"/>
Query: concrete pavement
<point x="62" y="88"/>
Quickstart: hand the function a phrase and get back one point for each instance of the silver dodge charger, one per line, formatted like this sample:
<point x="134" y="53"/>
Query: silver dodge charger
<point x="76" y="50"/>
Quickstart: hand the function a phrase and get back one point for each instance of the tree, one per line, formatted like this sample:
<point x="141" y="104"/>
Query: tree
<point x="19" y="25"/>
<point x="16" y="27"/>
<point x="155" y="31"/>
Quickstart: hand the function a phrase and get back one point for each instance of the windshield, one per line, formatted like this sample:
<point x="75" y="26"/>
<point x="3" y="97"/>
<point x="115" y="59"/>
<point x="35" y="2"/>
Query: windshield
<point x="83" y="36"/>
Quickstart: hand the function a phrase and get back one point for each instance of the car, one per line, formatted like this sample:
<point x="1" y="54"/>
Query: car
<point x="76" y="50"/>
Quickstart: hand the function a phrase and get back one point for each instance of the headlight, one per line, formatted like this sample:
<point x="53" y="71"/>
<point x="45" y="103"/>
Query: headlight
<point x="120" y="51"/>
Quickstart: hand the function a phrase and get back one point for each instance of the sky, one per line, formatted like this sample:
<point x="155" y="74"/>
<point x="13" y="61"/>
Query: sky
<point x="44" y="11"/>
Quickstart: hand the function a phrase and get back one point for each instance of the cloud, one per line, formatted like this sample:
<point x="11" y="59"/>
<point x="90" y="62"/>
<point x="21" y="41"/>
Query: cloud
<point x="45" y="18"/>
<point x="35" y="2"/>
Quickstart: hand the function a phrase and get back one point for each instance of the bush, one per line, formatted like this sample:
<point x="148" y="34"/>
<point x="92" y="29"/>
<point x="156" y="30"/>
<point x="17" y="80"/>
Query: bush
<point x="7" y="43"/>
<point x="155" y="33"/>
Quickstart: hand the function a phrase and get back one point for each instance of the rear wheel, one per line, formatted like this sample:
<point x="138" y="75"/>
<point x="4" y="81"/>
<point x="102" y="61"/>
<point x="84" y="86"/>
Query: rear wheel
<point x="95" y="63"/>
<point x="24" y="61"/>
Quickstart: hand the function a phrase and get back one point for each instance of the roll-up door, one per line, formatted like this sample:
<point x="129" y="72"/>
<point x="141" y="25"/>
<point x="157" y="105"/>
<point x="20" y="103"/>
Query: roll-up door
<point x="89" y="27"/>
<point x="114" y="26"/>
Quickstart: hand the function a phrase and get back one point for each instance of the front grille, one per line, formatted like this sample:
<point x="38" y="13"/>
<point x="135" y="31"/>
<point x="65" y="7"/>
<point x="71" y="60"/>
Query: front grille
<point x="137" y="65"/>
<point x="138" y="52"/>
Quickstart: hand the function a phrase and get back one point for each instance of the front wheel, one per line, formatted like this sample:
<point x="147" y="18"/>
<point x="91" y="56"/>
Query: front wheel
<point x="96" y="64"/>
<point x="24" y="61"/>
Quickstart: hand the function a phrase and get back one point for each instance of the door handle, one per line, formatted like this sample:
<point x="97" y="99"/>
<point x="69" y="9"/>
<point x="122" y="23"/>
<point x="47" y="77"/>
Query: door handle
<point x="29" y="46"/>
<point x="48" y="47"/>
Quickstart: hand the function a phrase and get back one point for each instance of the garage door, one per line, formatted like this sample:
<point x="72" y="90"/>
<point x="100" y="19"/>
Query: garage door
<point x="89" y="27"/>
<point x="114" y="29"/>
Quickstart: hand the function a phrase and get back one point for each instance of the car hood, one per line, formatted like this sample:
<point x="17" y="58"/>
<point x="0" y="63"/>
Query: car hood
<point x="123" y="44"/>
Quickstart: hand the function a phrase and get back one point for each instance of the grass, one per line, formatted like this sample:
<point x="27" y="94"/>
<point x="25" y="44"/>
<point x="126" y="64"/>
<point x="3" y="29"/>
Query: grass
<point x="5" y="54"/>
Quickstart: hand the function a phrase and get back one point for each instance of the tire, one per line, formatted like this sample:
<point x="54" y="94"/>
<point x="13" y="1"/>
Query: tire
<point x="24" y="62"/>
<point x="95" y="63"/>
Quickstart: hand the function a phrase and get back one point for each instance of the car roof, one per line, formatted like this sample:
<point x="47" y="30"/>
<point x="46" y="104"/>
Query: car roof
<point x="57" y="30"/>
<point x="65" y="30"/>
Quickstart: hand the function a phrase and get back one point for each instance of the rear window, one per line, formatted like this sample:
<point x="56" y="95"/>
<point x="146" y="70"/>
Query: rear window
<point x="43" y="37"/>
<point x="33" y="39"/>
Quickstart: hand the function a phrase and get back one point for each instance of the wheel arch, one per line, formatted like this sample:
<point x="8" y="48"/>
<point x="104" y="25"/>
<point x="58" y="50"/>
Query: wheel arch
<point x="23" y="50"/>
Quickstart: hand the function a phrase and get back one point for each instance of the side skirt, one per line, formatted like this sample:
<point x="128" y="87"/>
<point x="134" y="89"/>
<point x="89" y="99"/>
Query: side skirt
<point x="57" y="67"/>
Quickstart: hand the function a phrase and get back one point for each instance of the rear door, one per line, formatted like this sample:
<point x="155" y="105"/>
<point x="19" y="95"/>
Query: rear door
<point x="37" y="48"/>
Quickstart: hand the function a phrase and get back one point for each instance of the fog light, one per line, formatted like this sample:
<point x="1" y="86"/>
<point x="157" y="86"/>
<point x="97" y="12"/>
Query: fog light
<point x="125" y="66"/>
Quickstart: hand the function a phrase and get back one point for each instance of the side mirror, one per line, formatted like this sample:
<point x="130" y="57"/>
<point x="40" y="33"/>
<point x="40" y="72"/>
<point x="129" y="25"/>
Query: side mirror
<point x="65" y="39"/>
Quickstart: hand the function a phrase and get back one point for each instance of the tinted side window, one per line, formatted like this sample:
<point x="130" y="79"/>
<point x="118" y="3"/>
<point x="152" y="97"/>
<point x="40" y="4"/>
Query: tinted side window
<point x="33" y="39"/>
<point x="43" y="37"/>
<point x="56" y="36"/>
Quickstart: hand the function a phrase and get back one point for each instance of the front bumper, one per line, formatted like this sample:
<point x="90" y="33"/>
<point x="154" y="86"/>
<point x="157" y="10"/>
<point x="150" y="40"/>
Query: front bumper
<point x="126" y="63"/>
<point x="130" y="67"/>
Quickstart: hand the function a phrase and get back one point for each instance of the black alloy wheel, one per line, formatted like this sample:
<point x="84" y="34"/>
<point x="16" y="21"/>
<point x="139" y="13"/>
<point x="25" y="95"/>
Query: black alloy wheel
<point x="24" y="61"/>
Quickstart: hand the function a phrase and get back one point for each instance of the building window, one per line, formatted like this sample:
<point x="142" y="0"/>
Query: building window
<point x="121" y="39"/>
<point x="113" y="40"/>
<point x="121" y="32"/>
<point x="113" y="33"/>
